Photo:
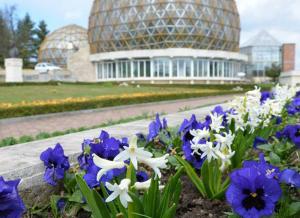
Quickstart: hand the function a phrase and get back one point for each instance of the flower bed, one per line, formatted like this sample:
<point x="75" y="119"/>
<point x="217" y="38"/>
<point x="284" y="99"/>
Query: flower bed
<point x="240" y="162"/>
<point x="8" y="110"/>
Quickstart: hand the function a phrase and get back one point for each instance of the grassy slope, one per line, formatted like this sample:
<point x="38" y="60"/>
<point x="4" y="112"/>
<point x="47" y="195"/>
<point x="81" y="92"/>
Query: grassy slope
<point x="28" y="93"/>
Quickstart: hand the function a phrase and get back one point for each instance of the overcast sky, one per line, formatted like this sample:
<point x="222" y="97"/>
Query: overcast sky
<point x="279" y="17"/>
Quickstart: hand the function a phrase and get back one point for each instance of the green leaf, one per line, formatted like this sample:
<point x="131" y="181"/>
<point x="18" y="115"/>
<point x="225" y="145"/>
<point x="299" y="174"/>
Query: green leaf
<point x="294" y="208"/>
<point x="192" y="175"/>
<point x="274" y="158"/>
<point x="90" y="198"/>
<point x="53" y="204"/>
<point x="266" y="147"/>
<point x="207" y="179"/>
<point x="76" y="197"/>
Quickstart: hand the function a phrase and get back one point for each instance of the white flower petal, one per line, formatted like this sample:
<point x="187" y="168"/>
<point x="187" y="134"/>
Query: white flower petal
<point x="112" y="196"/>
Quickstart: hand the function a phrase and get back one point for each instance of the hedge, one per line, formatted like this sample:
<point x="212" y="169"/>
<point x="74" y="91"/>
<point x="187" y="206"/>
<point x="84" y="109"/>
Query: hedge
<point x="28" y="110"/>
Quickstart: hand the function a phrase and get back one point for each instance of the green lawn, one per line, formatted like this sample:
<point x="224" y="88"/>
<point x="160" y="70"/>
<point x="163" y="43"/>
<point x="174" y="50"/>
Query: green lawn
<point x="28" y="93"/>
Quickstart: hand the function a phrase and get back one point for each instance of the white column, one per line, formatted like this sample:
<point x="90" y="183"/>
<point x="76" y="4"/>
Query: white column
<point x="117" y="69"/>
<point x="208" y="68"/>
<point x="13" y="70"/>
<point x="192" y="69"/>
<point x="131" y="68"/>
<point x="171" y="68"/>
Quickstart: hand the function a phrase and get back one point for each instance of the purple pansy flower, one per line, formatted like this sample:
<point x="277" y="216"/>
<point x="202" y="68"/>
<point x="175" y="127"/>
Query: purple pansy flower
<point x="187" y="137"/>
<point x="91" y="175"/>
<point x="11" y="204"/>
<point x="265" y="95"/>
<point x="294" y="107"/>
<point x="291" y="132"/>
<point x="142" y="176"/>
<point x="60" y="204"/>
<point x="56" y="164"/>
<point x="290" y="177"/>
<point x="251" y="194"/>
<point x="155" y="127"/>
<point x="263" y="167"/>
<point x="259" y="141"/>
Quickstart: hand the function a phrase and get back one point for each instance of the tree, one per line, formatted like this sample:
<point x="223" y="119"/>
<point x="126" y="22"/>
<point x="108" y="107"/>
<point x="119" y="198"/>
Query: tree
<point x="25" y="40"/>
<point x="274" y="72"/>
<point x="40" y="34"/>
<point x="5" y="39"/>
<point x="7" y="31"/>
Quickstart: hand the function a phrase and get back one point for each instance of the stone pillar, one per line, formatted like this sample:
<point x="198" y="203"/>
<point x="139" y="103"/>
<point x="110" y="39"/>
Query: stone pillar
<point x="13" y="70"/>
<point x="288" y="57"/>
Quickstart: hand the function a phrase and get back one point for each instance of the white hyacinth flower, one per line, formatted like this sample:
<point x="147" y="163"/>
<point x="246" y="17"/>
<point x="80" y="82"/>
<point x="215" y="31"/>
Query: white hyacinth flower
<point x="145" y="185"/>
<point x="106" y="165"/>
<point x="216" y="122"/>
<point x="226" y="140"/>
<point x="200" y="134"/>
<point x="133" y="152"/>
<point x="209" y="151"/>
<point x="225" y="156"/>
<point x="120" y="191"/>
<point x="156" y="163"/>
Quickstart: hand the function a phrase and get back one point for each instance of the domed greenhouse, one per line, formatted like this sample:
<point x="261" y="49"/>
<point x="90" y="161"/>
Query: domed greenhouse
<point x="60" y="44"/>
<point x="196" y="40"/>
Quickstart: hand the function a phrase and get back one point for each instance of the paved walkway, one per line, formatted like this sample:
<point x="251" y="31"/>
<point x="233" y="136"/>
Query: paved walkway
<point x="22" y="161"/>
<point x="34" y="125"/>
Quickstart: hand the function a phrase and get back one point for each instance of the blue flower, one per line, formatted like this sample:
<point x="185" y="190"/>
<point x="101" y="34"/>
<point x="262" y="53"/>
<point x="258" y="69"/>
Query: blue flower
<point x="60" y="204"/>
<point x="291" y="132"/>
<point x="259" y="141"/>
<point x="251" y="194"/>
<point x="195" y="159"/>
<point x="142" y="176"/>
<point x="294" y="107"/>
<point x="11" y="204"/>
<point x="155" y="127"/>
<point x="56" y="164"/>
<point x="263" y="167"/>
<point x="290" y="177"/>
<point x="188" y="125"/>
<point x="84" y="158"/>
<point x="91" y="175"/>
<point x="265" y="96"/>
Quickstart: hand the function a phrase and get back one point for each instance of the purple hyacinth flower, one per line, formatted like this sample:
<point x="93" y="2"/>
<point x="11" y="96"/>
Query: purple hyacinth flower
<point x="263" y="167"/>
<point x="290" y="177"/>
<point x="142" y="176"/>
<point x="11" y="204"/>
<point x="259" y="141"/>
<point x="56" y="164"/>
<point x="251" y="194"/>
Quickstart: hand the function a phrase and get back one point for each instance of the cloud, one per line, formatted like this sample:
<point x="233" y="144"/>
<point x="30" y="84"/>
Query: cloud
<point x="279" y="17"/>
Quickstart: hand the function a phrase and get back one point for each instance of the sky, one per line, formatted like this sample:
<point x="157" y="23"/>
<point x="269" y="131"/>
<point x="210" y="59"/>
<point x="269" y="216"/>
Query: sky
<point x="281" y="18"/>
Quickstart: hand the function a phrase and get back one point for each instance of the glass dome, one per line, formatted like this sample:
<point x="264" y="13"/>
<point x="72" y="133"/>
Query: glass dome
<point x="58" y="45"/>
<point x="157" y="24"/>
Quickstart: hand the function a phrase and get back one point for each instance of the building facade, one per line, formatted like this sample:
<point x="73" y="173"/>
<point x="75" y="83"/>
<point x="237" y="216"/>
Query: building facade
<point x="165" y="40"/>
<point x="263" y="50"/>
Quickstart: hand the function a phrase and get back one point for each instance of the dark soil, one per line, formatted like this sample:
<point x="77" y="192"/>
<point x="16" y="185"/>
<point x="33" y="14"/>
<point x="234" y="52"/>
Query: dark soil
<point x="191" y="204"/>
